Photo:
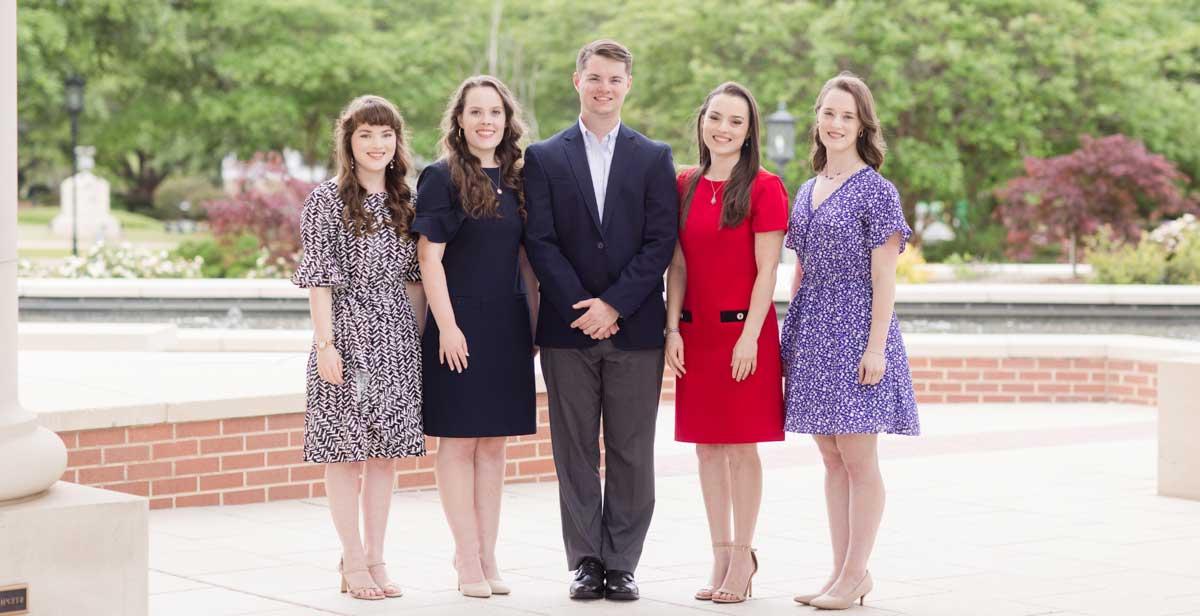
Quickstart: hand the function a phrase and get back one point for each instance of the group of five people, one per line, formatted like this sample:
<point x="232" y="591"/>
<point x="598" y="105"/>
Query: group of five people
<point x="560" y="250"/>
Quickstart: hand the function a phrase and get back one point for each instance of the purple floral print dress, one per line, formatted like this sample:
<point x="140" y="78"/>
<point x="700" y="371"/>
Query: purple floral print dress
<point x="827" y="324"/>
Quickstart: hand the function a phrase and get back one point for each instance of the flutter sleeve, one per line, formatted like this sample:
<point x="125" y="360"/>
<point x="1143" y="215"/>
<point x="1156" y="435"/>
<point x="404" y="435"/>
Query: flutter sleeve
<point x="319" y="231"/>
<point x="439" y="214"/>
<point x="884" y="216"/>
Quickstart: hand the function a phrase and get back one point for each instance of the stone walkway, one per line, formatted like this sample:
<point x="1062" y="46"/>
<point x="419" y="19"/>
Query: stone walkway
<point x="996" y="511"/>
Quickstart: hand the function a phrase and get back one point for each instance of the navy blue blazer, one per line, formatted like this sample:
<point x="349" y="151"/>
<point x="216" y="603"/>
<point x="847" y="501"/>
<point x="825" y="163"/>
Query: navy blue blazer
<point x="620" y="259"/>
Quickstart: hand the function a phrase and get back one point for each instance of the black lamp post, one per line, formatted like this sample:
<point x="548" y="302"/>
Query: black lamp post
<point x="73" y="86"/>
<point x="781" y="137"/>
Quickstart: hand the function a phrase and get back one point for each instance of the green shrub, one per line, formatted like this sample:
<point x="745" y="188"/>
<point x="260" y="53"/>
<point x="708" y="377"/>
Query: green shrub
<point x="242" y="256"/>
<point x="1170" y="254"/>
<point x="194" y="190"/>
<point x="230" y="259"/>
<point x="1184" y="265"/>
<point x="1114" y="262"/>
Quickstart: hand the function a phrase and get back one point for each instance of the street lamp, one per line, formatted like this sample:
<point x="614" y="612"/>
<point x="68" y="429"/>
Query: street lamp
<point x="781" y="137"/>
<point x="73" y="86"/>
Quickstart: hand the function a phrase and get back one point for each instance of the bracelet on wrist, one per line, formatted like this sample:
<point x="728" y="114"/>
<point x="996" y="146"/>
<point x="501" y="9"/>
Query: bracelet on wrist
<point x="671" y="330"/>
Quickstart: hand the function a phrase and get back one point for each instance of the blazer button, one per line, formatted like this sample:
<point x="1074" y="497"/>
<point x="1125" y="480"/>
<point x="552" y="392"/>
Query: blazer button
<point x="741" y="316"/>
<point x="600" y="245"/>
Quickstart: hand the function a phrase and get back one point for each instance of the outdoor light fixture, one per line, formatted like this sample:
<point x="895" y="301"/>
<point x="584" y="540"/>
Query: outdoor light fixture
<point x="73" y="88"/>
<point x="781" y="137"/>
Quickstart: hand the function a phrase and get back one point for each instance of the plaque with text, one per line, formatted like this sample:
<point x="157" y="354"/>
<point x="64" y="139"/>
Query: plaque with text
<point x="14" y="600"/>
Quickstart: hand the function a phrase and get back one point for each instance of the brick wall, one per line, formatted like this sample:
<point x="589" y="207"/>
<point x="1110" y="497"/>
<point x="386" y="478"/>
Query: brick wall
<point x="247" y="460"/>
<point x="1027" y="379"/>
<point x="258" y="459"/>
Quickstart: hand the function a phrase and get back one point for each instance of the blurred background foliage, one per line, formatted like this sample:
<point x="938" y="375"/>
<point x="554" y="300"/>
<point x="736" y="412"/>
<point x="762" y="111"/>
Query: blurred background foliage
<point x="966" y="90"/>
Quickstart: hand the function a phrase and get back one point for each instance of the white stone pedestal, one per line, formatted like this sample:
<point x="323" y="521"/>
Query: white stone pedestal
<point x="80" y="550"/>
<point x="96" y="221"/>
<point x="1178" y="426"/>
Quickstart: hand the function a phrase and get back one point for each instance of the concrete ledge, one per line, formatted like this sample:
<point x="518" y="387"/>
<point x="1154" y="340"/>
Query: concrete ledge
<point x="80" y="549"/>
<point x="96" y="336"/>
<point x="169" y="338"/>
<point x="936" y="292"/>
<point x="1003" y="293"/>
<point x="89" y="389"/>
<point x="1178" y="425"/>
<point x="165" y="288"/>
<point x="269" y="340"/>
<point x="1008" y="272"/>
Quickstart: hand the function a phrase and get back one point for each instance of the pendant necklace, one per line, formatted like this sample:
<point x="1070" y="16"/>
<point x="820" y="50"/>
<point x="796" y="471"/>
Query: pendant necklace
<point x="493" y="183"/>
<point x="714" y="190"/>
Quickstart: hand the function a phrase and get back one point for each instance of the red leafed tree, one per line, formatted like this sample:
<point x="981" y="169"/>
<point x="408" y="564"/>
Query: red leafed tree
<point x="1111" y="180"/>
<point x="267" y="204"/>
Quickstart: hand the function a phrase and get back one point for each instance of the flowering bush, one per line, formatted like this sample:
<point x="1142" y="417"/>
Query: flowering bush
<point x="1170" y="254"/>
<point x="266" y="205"/>
<point x="1171" y="233"/>
<point x="120" y="261"/>
<point x="266" y="267"/>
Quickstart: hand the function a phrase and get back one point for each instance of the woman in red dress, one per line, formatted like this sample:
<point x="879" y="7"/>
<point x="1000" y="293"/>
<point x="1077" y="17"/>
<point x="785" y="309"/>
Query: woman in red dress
<point x="722" y="333"/>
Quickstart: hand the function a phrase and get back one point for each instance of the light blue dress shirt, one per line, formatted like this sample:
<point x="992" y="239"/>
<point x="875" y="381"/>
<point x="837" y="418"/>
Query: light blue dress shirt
<point x="599" y="157"/>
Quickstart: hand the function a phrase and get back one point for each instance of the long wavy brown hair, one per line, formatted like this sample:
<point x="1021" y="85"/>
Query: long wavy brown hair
<point x="474" y="187"/>
<point x="373" y="111"/>
<point x="735" y="202"/>
<point x="870" y="144"/>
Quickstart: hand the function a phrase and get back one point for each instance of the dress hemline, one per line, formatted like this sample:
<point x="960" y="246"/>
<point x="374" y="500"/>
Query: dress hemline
<point x="401" y="456"/>
<point x="885" y="431"/>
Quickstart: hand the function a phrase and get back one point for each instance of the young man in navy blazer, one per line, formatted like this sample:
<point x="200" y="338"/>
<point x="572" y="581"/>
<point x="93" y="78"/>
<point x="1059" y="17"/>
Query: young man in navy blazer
<point x="601" y="230"/>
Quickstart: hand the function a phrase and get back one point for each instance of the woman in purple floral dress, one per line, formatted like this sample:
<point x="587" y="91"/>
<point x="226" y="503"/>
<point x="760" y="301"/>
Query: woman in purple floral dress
<point x="846" y="372"/>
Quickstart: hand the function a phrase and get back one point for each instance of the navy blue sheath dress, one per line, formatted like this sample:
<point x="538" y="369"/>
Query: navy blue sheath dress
<point x="495" y="395"/>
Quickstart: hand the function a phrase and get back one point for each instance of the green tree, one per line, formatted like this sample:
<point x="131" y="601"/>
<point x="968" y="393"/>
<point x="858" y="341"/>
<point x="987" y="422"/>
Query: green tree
<point x="965" y="90"/>
<point x="101" y="40"/>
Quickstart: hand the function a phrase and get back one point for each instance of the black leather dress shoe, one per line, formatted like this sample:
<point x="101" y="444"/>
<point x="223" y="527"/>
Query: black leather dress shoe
<point x="589" y="580"/>
<point x="620" y="586"/>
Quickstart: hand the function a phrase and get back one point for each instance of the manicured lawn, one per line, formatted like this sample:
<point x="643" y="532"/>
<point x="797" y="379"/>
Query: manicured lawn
<point x="35" y="241"/>
<point x="41" y="216"/>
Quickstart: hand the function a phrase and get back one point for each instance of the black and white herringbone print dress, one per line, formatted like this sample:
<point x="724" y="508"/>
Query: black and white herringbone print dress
<point x="376" y="412"/>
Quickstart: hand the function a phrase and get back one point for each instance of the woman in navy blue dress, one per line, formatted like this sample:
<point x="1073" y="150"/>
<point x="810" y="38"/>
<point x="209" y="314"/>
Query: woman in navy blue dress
<point x="477" y="370"/>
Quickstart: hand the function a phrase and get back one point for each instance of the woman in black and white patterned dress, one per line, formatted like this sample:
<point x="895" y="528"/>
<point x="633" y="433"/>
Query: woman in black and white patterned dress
<point x="364" y="371"/>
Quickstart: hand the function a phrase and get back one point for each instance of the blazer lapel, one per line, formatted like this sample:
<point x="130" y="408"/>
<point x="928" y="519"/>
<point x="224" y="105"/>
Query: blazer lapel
<point x="623" y="158"/>
<point x="577" y="156"/>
